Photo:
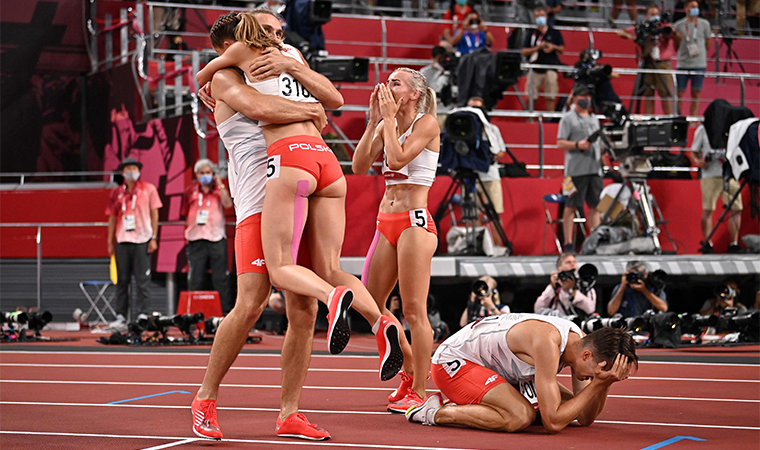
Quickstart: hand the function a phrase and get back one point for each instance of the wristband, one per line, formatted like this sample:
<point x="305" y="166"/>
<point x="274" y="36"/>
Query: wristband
<point x="154" y="238"/>
<point x="576" y="145"/>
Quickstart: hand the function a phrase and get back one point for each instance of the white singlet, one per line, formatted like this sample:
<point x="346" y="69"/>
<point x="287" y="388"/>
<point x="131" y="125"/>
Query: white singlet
<point x="420" y="170"/>
<point x="247" y="151"/>
<point x="285" y="85"/>
<point x="484" y="342"/>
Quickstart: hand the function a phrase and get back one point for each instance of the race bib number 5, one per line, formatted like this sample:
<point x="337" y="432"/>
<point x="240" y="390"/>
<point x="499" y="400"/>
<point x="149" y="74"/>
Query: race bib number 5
<point x="419" y="218"/>
<point x="273" y="167"/>
<point x="528" y="390"/>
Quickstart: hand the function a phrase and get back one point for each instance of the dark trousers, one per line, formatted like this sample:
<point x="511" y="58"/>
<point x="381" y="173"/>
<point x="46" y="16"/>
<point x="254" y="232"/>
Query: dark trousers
<point x="202" y="254"/>
<point x="132" y="259"/>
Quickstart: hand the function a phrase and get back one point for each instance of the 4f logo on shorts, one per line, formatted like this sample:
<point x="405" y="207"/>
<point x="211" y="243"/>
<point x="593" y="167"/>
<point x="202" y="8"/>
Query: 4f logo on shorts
<point x="259" y="262"/>
<point x="491" y="379"/>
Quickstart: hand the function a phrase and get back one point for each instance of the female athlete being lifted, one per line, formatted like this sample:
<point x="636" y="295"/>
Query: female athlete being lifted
<point x="304" y="179"/>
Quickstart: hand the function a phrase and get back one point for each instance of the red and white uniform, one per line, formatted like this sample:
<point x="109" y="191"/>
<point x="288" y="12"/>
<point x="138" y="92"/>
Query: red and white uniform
<point x="483" y="343"/>
<point x="205" y="214"/>
<point x="132" y="211"/>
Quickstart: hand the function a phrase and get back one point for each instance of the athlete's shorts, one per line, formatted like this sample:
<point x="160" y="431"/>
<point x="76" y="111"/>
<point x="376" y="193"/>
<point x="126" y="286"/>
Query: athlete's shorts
<point x="465" y="382"/>
<point x="249" y="253"/>
<point x="307" y="153"/>
<point x="391" y="225"/>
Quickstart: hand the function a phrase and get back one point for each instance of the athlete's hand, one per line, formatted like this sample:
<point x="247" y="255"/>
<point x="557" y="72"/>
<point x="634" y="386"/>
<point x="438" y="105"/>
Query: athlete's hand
<point x="271" y="63"/>
<point x="620" y="371"/>
<point x="388" y="107"/>
<point x="374" y="107"/>
<point x="320" y="117"/>
<point x="205" y="95"/>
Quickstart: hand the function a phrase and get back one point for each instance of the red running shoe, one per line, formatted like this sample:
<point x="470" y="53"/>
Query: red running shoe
<point x="338" y="332"/>
<point x="411" y="400"/>
<point x="298" y="426"/>
<point x="391" y="356"/>
<point x="204" y="419"/>
<point x="404" y="388"/>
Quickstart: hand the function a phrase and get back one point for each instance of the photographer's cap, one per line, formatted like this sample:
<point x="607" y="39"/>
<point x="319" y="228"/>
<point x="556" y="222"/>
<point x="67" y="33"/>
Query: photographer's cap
<point x="129" y="161"/>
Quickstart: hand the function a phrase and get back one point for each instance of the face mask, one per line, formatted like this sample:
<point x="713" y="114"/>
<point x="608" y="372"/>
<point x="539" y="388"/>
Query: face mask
<point x="131" y="176"/>
<point x="461" y="2"/>
<point x="654" y="19"/>
<point x="206" y="179"/>
<point x="540" y="21"/>
<point x="694" y="12"/>
<point x="583" y="103"/>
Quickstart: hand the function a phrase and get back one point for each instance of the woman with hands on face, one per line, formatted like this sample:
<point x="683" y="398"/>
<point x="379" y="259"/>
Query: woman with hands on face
<point x="403" y="129"/>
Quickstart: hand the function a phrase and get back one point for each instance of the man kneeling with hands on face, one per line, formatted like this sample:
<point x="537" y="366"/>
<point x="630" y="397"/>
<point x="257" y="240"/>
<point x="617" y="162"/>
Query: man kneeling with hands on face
<point x="501" y="372"/>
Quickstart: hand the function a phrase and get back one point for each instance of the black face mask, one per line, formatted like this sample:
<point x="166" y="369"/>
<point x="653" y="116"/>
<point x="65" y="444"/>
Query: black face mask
<point x="583" y="103"/>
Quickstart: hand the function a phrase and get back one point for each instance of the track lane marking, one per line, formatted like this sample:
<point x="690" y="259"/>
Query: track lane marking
<point x="29" y="352"/>
<point x="129" y="366"/>
<point x="146" y="396"/>
<point x="227" y="408"/>
<point x="172" y="444"/>
<point x="244" y="441"/>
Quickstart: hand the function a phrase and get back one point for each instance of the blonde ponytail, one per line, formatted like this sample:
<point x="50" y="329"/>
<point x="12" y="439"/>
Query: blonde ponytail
<point x="250" y="32"/>
<point x="430" y="108"/>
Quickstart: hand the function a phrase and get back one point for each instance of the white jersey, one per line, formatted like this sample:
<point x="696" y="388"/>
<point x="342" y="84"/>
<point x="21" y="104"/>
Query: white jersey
<point x="421" y="170"/>
<point x="484" y="342"/>
<point x="247" y="150"/>
<point x="285" y="85"/>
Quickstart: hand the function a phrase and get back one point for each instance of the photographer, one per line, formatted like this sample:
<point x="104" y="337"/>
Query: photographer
<point x="562" y="296"/>
<point x="583" y="168"/>
<point x="473" y="35"/>
<point x="543" y="45"/>
<point x="653" y="39"/>
<point x="725" y="297"/>
<point x="637" y="292"/>
<point x="692" y="39"/>
<point x="710" y="161"/>
<point x="438" y="77"/>
<point x="484" y="301"/>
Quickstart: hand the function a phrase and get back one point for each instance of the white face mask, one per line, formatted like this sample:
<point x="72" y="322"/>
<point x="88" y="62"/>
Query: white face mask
<point x="132" y="176"/>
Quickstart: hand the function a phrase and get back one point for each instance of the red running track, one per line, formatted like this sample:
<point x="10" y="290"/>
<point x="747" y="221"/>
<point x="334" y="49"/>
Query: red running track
<point x="57" y="399"/>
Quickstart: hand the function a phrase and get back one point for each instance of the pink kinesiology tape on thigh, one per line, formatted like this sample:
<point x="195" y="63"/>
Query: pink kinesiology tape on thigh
<point x="368" y="259"/>
<point x="299" y="209"/>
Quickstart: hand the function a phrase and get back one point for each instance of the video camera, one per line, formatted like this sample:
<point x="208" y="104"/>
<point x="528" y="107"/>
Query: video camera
<point x="587" y="72"/>
<point x="651" y="29"/>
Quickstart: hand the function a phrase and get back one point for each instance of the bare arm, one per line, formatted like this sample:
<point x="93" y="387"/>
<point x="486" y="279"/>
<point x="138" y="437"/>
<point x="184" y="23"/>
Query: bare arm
<point x="371" y="144"/>
<point x="614" y="305"/>
<point x="224" y="194"/>
<point x="463" y="319"/>
<point x="273" y="63"/>
<point x="555" y="415"/>
<point x="111" y="235"/>
<point x="565" y="145"/>
<point x="656" y="301"/>
<point x="235" y="55"/>
<point x="153" y="243"/>
<point x="626" y="35"/>
<point x="230" y="88"/>
<point x="425" y="130"/>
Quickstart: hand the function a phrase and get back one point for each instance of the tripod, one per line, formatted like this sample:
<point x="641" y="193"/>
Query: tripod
<point x="639" y="88"/>
<point x="731" y="55"/>
<point x="640" y="191"/>
<point x="754" y="187"/>
<point x="466" y="181"/>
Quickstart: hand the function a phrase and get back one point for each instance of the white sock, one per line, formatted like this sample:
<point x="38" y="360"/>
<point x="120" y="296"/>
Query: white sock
<point x="430" y="416"/>
<point x="376" y="326"/>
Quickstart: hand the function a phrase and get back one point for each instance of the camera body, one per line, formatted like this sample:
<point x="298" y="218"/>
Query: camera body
<point x="567" y="275"/>
<point x="635" y="276"/>
<point x="651" y="29"/>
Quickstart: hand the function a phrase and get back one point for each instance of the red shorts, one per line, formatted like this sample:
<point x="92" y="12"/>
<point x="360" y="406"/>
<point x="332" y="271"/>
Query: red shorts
<point x="307" y="153"/>
<point x="465" y="382"/>
<point x="249" y="253"/>
<point x="391" y="225"/>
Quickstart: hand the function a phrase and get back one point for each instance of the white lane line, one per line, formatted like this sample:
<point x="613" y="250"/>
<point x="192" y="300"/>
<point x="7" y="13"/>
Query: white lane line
<point x="130" y="366"/>
<point x="650" y="397"/>
<point x="682" y="425"/>
<point x="227" y="408"/>
<point x="27" y="352"/>
<point x="710" y="380"/>
<point x="172" y="444"/>
<point x="244" y="441"/>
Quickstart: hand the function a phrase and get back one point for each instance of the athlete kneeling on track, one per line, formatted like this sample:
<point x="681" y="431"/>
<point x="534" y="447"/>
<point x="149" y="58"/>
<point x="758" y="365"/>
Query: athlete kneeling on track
<point x="500" y="372"/>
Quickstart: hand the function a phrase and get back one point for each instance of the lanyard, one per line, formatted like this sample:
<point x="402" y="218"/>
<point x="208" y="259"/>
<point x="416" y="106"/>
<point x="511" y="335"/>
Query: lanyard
<point x="200" y="200"/>
<point x="469" y="42"/>
<point x="687" y="31"/>
<point x="134" y="199"/>
<point x="538" y="39"/>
